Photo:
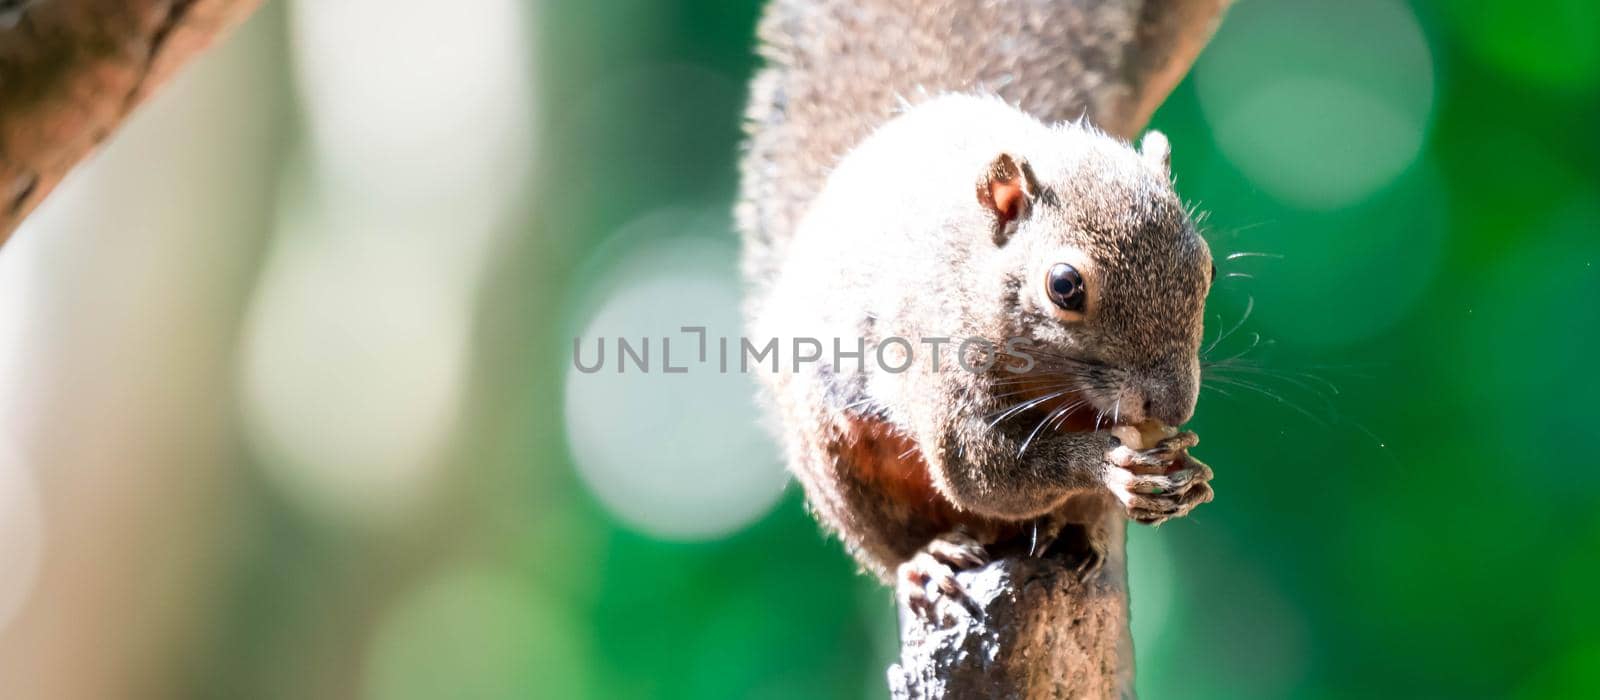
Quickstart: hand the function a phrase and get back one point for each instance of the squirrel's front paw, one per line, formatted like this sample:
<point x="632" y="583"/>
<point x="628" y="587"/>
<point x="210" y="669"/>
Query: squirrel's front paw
<point x="1159" y="483"/>
<point x="931" y="572"/>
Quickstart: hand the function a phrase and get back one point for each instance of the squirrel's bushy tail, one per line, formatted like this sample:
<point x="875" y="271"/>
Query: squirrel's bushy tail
<point x="836" y="69"/>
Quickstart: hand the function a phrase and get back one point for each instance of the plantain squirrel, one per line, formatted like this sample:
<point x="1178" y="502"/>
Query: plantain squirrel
<point x="928" y="169"/>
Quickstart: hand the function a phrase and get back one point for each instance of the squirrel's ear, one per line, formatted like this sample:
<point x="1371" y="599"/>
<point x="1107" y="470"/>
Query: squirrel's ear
<point x="1006" y="190"/>
<point x="1156" y="151"/>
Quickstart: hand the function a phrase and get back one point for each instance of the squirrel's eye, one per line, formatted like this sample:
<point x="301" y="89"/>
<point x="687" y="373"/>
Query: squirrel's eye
<point x="1066" y="287"/>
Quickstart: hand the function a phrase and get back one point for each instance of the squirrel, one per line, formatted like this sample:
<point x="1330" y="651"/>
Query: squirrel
<point x="920" y="171"/>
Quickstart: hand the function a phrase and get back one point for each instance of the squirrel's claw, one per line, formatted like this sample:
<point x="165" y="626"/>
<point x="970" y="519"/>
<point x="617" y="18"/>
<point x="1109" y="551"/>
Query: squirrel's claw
<point x="931" y="573"/>
<point x="1090" y="565"/>
<point x="1153" y="498"/>
<point x="1177" y="443"/>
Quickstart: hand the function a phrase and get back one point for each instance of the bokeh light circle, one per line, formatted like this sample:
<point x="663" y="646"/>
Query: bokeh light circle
<point x="474" y="635"/>
<point x="1319" y="103"/>
<point x="678" y="456"/>
<point x="389" y="101"/>
<point x="353" y="362"/>
<point x="357" y="344"/>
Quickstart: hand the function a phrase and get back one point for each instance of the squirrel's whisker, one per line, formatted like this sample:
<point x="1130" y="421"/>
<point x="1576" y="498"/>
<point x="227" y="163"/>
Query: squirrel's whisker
<point x="1298" y="379"/>
<point x="1251" y="254"/>
<point x="1249" y="307"/>
<point x="1025" y="405"/>
<point x="1240" y="383"/>
<point x="1061" y="412"/>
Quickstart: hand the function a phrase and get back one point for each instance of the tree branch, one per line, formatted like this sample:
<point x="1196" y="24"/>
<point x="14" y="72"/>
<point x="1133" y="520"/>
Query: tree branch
<point x="1046" y="630"/>
<point x="1170" y="35"/>
<point x="72" y="70"/>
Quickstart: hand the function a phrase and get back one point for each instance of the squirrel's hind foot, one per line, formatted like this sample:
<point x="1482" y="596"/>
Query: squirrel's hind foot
<point x="930" y="574"/>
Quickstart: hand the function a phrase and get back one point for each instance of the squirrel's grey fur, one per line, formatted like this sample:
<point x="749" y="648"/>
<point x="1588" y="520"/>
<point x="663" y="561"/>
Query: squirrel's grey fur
<point x="871" y="128"/>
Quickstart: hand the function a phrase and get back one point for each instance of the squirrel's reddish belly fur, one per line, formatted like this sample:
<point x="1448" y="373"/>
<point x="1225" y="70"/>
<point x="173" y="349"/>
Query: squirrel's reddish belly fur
<point x="890" y="463"/>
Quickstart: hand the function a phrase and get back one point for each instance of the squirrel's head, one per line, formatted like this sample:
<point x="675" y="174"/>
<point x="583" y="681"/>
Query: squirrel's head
<point x="1104" y="272"/>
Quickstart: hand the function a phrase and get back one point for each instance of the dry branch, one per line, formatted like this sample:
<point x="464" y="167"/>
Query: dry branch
<point x="72" y="70"/>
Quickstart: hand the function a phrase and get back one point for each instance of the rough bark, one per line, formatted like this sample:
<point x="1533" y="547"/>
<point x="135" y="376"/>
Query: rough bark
<point x="72" y="70"/>
<point x="1045" y="631"/>
<point x="1048" y="628"/>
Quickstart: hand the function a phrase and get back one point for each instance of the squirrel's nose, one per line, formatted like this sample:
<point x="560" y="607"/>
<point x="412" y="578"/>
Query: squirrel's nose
<point x="1170" y="412"/>
<point x="1164" y="401"/>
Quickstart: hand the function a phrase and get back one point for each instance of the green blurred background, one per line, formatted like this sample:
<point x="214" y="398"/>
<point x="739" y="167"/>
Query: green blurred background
<point x="287" y="407"/>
